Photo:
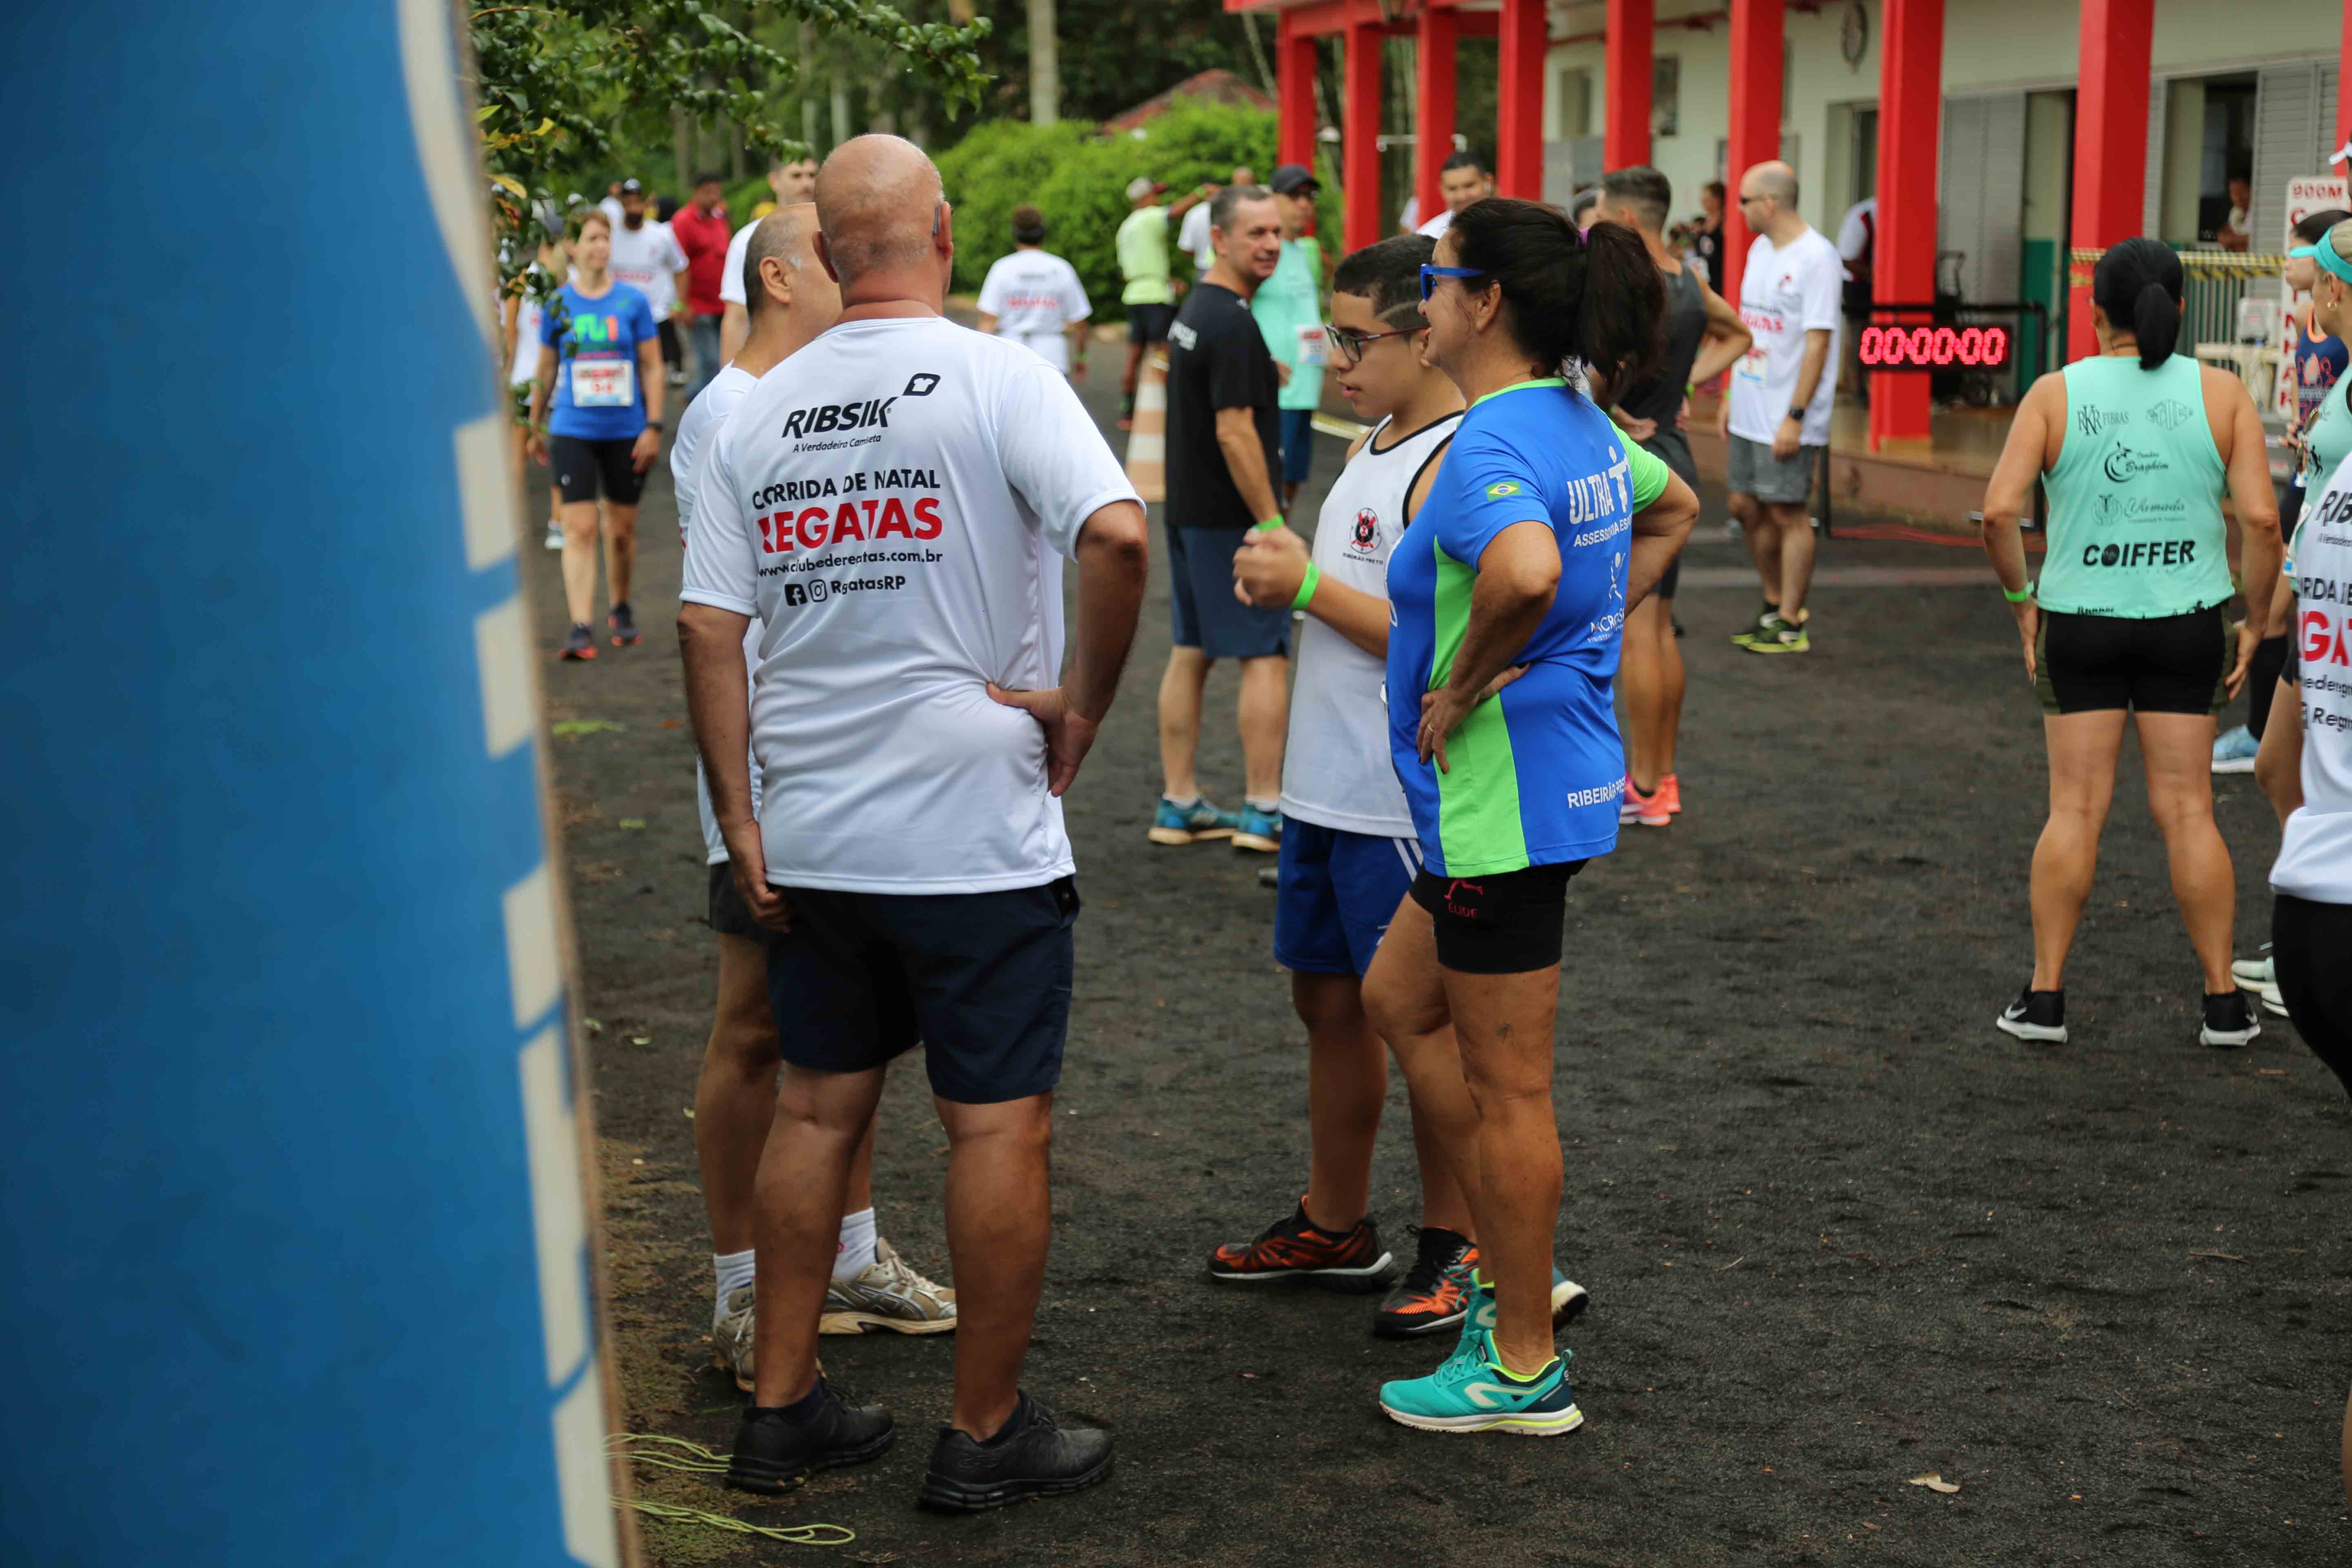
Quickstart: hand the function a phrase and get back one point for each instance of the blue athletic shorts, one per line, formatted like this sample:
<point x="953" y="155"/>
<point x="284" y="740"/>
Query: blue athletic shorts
<point x="1297" y="445"/>
<point x="981" y="979"/>
<point x="1336" y="894"/>
<point x="1204" y="613"/>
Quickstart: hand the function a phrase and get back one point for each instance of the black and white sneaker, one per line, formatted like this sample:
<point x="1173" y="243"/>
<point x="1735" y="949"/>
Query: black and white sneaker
<point x="774" y="1453"/>
<point x="1033" y="1455"/>
<point x="2035" y="1016"/>
<point x="2229" y="1021"/>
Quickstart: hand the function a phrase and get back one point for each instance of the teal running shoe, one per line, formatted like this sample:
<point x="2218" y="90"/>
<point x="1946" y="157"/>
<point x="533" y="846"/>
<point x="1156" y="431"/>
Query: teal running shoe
<point x="1471" y="1392"/>
<point x="2235" y="751"/>
<point x="1568" y="1299"/>
<point x="1255" y="829"/>
<point x="1193" y="824"/>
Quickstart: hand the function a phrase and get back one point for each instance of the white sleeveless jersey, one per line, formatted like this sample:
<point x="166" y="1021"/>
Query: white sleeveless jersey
<point x="2314" y="857"/>
<point x="1336" y="772"/>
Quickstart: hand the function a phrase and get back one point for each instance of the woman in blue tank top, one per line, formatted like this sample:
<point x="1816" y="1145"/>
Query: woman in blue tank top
<point x="1543" y="527"/>
<point x="2137" y="447"/>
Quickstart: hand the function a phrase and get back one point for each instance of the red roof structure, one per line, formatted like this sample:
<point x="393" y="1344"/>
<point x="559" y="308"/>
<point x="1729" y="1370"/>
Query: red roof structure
<point x="1210" y="86"/>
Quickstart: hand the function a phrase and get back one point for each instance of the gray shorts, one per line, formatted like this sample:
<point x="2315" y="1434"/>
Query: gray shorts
<point x="1753" y="470"/>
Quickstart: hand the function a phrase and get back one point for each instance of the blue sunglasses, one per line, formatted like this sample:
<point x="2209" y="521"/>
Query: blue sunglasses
<point x="1430" y="275"/>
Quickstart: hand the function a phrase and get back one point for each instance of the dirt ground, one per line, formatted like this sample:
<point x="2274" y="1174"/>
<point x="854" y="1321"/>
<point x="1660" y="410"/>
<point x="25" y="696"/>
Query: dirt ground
<point x="1839" y="1231"/>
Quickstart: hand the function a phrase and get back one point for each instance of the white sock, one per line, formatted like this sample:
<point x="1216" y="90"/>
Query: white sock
<point x="1187" y="804"/>
<point x="853" y="1254"/>
<point x="734" y="1272"/>
<point x="1268" y="806"/>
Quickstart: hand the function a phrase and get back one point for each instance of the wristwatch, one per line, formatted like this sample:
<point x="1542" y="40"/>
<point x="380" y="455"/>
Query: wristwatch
<point x="655" y="425"/>
<point x="1797" y="412"/>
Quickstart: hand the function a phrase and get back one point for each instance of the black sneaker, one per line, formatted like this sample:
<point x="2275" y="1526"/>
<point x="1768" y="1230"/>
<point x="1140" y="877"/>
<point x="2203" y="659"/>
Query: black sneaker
<point x="1435" y="1294"/>
<point x="774" y="1453"/>
<point x="2041" y="1016"/>
<point x="580" y="644"/>
<point x="1033" y="1457"/>
<point x="2229" y="1021"/>
<point x="624" y="624"/>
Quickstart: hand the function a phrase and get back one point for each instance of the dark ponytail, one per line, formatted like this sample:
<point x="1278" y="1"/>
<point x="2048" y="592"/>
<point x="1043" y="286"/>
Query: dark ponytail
<point x="2139" y="284"/>
<point x="1594" y="298"/>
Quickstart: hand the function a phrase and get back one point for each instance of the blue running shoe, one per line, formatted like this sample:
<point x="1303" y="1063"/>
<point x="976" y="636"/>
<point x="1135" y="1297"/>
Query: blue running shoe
<point x="2234" y="752"/>
<point x="1174" y="823"/>
<point x="1256" y="829"/>
<point x="1471" y="1392"/>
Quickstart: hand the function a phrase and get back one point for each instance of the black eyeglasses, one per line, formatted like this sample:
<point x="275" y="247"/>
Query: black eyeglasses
<point x="1351" y="345"/>
<point x="1744" y="201"/>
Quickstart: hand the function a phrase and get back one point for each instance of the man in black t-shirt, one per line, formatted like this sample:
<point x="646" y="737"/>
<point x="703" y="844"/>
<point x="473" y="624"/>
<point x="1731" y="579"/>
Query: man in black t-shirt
<point x="1224" y="444"/>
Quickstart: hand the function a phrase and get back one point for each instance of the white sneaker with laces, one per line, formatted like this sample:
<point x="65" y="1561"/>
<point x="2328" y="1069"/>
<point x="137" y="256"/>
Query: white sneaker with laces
<point x="888" y="1295"/>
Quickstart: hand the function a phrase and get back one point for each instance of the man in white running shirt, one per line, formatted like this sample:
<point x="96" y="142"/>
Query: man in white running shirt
<point x="1034" y="297"/>
<point x="1778" y="416"/>
<point x="1348" y="853"/>
<point x="735" y="1097"/>
<point x="884" y="510"/>
<point x="792" y="182"/>
<point x="646" y="254"/>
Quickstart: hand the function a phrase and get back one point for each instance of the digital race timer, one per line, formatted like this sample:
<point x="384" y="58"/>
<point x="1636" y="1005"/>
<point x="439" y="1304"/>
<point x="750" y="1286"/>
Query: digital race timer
<point x="1936" y="348"/>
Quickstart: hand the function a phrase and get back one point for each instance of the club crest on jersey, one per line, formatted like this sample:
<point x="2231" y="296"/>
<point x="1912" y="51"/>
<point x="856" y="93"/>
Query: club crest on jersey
<point x="1368" y="528"/>
<point x="874" y="412"/>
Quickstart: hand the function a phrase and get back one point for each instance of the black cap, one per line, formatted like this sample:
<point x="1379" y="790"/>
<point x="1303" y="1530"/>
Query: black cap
<point x="631" y="189"/>
<point x="1294" y="178"/>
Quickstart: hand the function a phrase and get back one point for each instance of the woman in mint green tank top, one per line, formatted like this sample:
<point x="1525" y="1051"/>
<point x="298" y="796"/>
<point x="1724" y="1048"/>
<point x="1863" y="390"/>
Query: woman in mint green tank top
<point x="2137" y="447"/>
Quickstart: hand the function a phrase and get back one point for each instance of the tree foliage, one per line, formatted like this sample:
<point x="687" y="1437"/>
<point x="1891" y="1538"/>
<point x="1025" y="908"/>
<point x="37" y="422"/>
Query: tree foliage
<point x="554" y="80"/>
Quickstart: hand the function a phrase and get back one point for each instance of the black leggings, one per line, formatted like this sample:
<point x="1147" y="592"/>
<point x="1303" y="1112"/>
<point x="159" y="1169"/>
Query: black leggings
<point x="2308" y="941"/>
<point x="2262" y="681"/>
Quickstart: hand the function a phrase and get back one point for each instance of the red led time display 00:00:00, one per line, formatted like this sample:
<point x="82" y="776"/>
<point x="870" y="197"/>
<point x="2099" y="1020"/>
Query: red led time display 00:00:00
<point x="1924" y="348"/>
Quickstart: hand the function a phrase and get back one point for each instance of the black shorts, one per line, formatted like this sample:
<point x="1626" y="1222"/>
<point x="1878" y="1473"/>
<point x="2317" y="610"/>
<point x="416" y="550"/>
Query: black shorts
<point x="2308" y="940"/>
<point x="2170" y="664"/>
<point x="981" y="979"/>
<point x="1669" y="446"/>
<point x="729" y="916"/>
<point x="581" y="467"/>
<point x="1148" y="324"/>
<point x="1509" y="923"/>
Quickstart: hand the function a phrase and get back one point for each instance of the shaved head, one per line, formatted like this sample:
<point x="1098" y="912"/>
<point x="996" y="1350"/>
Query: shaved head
<point x="878" y="201"/>
<point x="1773" y="179"/>
<point x="787" y="235"/>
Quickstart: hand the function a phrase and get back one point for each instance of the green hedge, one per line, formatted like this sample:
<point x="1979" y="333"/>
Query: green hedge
<point x="1078" y="180"/>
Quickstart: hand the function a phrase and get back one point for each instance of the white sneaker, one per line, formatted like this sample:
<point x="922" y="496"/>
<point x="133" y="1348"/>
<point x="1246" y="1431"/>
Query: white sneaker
<point x="730" y="1338"/>
<point x="555" y="536"/>
<point x="2255" y="973"/>
<point x="888" y="1295"/>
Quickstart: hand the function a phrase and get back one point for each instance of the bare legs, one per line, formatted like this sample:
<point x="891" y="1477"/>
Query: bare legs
<point x="579" y="555"/>
<point x="1000" y="1219"/>
<point x="1265" y="718"/>
<point x="1650" y="674"/>
<point x="1477" y="1051"/>
<point x="1794" y="526"/>
<point x="2082" y="749"/>
<point x="1347" y="1085"/>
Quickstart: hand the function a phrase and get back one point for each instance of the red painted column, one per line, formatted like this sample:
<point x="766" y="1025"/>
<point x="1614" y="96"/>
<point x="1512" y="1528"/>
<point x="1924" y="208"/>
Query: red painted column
<point x="1910" y="128"/>
<point x="1433" y="69"/>
<point x="1518" y="119"/>
<point x="1359" y="135"/>
<point x="1294" y="79"/>
<point x="1633" y="29"/>
<point x="2110" y="144"/>
<point x="2342" y="75"/>
<point x="1755" y="130"/>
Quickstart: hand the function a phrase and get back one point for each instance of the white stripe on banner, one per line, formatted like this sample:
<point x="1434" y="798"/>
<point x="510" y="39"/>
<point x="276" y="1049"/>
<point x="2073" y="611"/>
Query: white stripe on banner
<point x="580" y="1462"/>
<point x="534" y="974"/>
<point x="484" y="490"/>
<point x="502" y="662"/>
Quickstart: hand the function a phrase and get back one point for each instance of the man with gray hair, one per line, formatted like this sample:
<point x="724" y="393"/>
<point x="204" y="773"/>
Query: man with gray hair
<point x="886" y="510"/>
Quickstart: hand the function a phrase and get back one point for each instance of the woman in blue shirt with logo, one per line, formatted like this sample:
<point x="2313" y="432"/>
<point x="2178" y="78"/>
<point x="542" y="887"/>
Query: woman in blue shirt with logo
<point x="1542" y="527"/>
<point x="601" y="358"/>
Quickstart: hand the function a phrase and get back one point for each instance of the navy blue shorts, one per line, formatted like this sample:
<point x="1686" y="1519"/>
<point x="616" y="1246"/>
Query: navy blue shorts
<point x="981" y="979"/>
<point x="1335" y="894"/>
<point x="1204" y="614"/>
<point x="1297" y="445"/>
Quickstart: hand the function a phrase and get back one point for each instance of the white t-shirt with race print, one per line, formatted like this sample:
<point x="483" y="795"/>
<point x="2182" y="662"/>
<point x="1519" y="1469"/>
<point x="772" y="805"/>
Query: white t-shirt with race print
<point x="1786" y="293"/>
<point x="648" y="261"/>
<point x="688" y="452"/>
<point x="1034" y="295"/>
<point x="2314" y="857"/>
<point x="890" y="508"/>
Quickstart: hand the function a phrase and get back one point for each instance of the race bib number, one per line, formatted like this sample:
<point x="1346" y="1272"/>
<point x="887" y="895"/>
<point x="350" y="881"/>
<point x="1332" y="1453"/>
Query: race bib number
<point x="1314" y="348"/>
<point x="604" y="383"/>
<point x="1750" y="372"/>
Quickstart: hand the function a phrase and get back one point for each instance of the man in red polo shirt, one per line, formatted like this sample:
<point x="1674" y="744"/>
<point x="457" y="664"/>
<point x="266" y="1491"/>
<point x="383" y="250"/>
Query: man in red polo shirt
<point x="701" y="230"/>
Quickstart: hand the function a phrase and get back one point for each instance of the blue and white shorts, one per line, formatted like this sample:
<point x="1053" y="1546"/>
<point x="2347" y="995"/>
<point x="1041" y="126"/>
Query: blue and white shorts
<point x="1336" y="894"/>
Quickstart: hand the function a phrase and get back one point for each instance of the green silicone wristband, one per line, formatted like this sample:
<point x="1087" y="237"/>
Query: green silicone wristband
<point x="1306" y="585"/>
<point x="1269" y="523"/>
<point x="2020" y="596"/>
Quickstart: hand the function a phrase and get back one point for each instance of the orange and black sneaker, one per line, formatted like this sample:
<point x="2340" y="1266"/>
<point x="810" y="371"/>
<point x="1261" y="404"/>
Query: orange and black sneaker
<point x="580" y="644"/>
<point x="624" y="625"/>
<point x="1435" y="1294"/>
<point x="1292" y="1249"/>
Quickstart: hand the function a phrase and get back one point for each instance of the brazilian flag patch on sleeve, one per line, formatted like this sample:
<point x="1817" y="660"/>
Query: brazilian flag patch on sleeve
<point x="1502" y="488"/>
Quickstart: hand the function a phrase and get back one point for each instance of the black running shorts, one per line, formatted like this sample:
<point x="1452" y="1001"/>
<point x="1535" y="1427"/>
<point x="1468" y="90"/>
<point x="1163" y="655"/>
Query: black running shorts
<point x="730" y="915"/>
<point x="1509" y="923"/>
<point x="1148" y="324"/>
<point x="981" y="979"/>
<point x="2170" y="664"/>
<point x="581" y="467"/>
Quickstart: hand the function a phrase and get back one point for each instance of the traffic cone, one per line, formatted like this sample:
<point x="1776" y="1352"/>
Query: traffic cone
<point x="1147" y="439"/>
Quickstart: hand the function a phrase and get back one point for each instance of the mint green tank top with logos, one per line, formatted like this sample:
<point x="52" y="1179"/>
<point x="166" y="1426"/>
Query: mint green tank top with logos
<point x="2327" y="439"/>
<point x="2136" y="527"/>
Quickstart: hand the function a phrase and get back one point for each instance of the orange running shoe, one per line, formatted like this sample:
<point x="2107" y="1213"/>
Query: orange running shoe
<point x="1670" y="791"/>
<point x="1435" y="1294"/>
<point x="1292" y="1249"/>
<point x="1649" y="810"/>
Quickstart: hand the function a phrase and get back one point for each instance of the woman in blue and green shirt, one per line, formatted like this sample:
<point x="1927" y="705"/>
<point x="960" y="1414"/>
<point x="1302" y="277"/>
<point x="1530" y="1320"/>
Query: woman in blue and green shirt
<point x="1509" y="590"/>
<point x="2137" y="447"/>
